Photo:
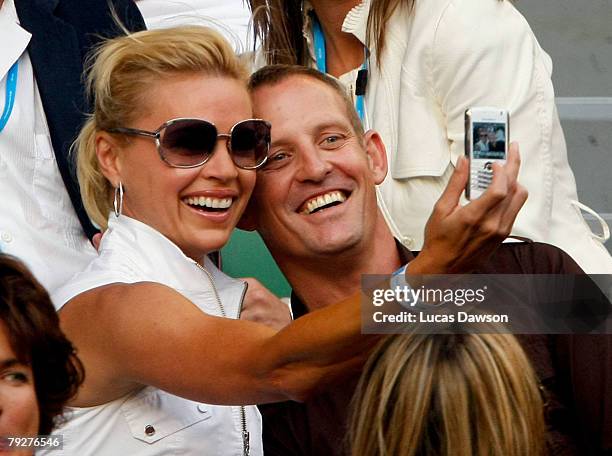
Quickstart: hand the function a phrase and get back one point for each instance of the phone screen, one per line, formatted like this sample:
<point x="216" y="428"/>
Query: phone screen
<point x="489" y="140"/>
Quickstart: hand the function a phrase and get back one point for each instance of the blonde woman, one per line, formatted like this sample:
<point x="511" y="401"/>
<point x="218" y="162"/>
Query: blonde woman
<point x="463" y="394"/>
<point x="166" y="164"/>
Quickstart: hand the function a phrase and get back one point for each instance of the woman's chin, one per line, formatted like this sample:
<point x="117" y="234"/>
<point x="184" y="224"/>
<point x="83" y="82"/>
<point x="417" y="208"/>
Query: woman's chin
<point x="210" y="241"/>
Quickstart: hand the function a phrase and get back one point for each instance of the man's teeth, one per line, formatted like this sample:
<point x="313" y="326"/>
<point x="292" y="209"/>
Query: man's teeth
<point x="323" y="200"/>
<point x="215" y="203"/>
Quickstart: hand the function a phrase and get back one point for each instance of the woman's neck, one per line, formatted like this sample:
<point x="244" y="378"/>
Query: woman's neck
<point x="344" y="52"/>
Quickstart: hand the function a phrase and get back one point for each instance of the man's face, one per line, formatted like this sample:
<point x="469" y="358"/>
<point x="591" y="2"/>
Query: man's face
<point x="316" y="195"/>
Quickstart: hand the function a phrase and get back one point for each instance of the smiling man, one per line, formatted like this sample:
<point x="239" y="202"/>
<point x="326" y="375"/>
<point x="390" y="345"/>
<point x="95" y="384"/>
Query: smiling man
<point x="314" y="205"/>
<point x="315" y="200"/>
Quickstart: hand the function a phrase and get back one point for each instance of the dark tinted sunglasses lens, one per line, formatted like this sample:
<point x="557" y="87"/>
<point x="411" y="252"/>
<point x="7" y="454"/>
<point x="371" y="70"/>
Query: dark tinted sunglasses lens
<point x="188" y="142"/>
<point x="250" y="143"/>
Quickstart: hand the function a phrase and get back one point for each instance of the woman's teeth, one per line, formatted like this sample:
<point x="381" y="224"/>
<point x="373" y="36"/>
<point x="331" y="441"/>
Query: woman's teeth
<point x="208" y="202"/>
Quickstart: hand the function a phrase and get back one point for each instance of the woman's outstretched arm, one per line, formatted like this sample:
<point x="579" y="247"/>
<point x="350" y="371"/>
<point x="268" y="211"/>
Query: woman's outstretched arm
<point x="148" y="334"/>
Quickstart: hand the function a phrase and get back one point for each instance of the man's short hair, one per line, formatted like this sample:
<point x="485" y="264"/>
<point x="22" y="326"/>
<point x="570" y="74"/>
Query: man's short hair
<point x="274" y="74"/>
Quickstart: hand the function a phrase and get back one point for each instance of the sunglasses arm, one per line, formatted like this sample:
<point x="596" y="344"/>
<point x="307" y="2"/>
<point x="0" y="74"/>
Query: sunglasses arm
<point x="134" y="132"/>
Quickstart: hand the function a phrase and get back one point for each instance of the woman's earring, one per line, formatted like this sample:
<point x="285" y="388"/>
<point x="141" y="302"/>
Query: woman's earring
<point x="118" y="201"/>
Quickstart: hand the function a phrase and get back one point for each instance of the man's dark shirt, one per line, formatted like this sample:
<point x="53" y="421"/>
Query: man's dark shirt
<point x="575" y="371"/>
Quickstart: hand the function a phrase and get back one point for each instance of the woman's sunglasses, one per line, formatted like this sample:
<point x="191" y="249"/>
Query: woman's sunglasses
<point x="188" y="143"/>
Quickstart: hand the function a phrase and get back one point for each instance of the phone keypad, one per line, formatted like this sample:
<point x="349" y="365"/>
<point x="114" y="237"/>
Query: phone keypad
<point x="483" y="177"/>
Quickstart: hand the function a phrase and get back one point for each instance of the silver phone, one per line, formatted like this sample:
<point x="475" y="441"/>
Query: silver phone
<point x="487" y="132"/>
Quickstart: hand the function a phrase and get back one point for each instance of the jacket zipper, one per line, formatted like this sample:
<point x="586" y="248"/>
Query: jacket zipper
<point x="245" y="433"/>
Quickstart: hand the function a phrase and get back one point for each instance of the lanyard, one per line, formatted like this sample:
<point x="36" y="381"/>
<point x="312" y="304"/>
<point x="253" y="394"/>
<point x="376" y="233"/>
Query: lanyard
<point x="321" y="61"/>
<point x="9" y="99"/>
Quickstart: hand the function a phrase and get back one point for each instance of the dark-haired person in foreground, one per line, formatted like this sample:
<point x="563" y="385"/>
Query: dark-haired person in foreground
<point x="314" y="204"/>
<point x="39" y="370"/>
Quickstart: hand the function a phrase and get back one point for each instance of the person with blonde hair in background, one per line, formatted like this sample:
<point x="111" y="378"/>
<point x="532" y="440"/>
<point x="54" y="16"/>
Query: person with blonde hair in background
<point x="448" y="394"/>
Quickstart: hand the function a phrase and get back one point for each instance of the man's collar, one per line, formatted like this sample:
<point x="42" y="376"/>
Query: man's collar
<point x="299" y="309"/>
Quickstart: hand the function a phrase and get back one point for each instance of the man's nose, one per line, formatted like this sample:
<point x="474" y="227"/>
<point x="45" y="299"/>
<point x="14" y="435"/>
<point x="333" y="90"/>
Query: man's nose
<point x="313" y="165"/>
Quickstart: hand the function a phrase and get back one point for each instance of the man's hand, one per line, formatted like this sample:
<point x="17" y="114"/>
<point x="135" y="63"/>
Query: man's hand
<point x="459" y="238"/>
<point x="262" y="306"/>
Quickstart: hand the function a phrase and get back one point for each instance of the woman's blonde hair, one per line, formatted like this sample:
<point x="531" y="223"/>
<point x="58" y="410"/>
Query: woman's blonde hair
<point x="463" y="394"/>
<point x="119" y="73"/>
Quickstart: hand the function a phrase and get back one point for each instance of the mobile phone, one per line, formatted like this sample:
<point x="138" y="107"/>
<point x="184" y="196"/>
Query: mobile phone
<point x="487" y="132"/>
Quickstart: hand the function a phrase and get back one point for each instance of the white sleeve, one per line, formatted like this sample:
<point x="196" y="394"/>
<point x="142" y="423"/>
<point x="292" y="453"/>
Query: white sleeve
<point x="96" y="275"/>
<point x="485" y="54"/>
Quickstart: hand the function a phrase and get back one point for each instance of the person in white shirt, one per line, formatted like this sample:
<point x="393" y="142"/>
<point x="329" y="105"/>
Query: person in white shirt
<point x="42" y="220"/>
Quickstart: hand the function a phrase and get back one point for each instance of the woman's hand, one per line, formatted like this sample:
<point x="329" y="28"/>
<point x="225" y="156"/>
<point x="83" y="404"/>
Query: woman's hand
<point x="459" y="238"/>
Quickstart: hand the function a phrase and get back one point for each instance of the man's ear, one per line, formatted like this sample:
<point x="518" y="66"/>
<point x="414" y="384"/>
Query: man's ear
<point x="248" y="221"/>
<point x="377" y="155"/>
<point x="107" y="148"/>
